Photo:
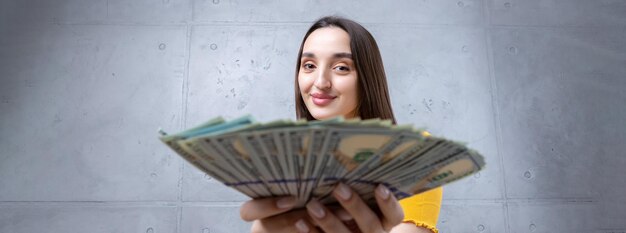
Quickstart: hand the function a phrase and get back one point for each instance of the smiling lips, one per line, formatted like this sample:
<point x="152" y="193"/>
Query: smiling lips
<point x="321" y="99"/>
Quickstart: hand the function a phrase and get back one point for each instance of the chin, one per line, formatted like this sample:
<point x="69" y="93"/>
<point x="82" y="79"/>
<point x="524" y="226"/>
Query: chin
<point x="323" y="115"/>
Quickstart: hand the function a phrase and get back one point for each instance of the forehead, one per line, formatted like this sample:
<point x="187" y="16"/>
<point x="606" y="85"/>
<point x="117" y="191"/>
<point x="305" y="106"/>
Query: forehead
<point x="327" y="40"/>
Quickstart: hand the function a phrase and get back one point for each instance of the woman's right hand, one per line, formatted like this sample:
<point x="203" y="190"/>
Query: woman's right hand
<point x="274" y="214"/>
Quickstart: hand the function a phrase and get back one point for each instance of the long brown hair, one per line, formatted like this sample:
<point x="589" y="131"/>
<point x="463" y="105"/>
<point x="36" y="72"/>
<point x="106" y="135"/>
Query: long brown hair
<point x="373" y="94"/>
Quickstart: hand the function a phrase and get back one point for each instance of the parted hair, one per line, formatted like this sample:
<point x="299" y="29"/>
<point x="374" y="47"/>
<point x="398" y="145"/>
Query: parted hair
<point x="373" y="93"/>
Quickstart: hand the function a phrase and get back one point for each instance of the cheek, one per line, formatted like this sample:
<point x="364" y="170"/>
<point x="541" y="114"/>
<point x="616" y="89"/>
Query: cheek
<point x="304" y="83"/>
<point x="348" y="87"/>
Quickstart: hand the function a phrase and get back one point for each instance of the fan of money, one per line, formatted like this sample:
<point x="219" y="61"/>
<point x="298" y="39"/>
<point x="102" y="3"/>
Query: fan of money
<point x="307" y="159"/>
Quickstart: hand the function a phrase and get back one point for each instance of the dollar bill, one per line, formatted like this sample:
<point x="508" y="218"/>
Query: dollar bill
<point x="307" y="159"/>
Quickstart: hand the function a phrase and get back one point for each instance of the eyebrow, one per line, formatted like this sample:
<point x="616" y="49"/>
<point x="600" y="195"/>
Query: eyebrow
<point x="336" y="55"/>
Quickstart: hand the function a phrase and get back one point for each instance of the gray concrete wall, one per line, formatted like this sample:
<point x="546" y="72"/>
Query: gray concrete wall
<point x="537" y="86"/>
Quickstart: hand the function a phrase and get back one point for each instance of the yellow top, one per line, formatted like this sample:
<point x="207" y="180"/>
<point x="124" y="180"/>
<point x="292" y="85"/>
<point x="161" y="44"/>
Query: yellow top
<point x="423" y="209"/>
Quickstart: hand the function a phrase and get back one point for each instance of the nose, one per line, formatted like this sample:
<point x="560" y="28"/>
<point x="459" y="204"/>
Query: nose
<point x="322" y="80"/>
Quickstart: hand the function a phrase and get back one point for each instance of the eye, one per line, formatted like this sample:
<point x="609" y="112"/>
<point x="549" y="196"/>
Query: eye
<point x="308" y="67"/>
<point x="342" y="69"/>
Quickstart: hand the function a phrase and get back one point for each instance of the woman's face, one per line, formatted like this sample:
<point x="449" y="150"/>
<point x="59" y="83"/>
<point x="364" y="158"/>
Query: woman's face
<point x="327" y="76"/>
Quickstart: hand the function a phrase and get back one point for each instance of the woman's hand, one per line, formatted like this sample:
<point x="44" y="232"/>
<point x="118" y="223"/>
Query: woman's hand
<point x="366" y="220"/>
<point x="274" y="215"/>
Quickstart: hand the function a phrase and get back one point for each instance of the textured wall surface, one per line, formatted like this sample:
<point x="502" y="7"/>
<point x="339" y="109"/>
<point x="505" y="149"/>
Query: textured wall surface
<point x="538" y="86"/>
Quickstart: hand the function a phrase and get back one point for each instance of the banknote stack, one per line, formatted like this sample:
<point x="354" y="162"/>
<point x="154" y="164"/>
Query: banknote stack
<point x="308" y="158"/>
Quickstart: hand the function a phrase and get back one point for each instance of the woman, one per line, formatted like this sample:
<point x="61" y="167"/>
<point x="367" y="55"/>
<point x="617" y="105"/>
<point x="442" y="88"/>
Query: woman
<point x="340" y="73"/>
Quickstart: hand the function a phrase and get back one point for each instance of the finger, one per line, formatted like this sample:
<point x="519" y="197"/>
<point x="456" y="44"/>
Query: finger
<point x="392" y="213"/>
<point x="353" y="227"/>
<point x="362" y="214"/>
<point x="266" y="207"/>
<point x="324" y="218"/>
<point x="342" y="214"/>
<point x="286" y="222"/>
<point x="303" y="226"/>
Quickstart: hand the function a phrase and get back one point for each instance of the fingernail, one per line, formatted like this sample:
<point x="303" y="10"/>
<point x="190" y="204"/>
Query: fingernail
<point x="286" y="202"/>
<point x="382" y="192"/>
<point x="315" y="208"/>
<point x="343" y="191"/>
<point x="301" y="226"/>
<point x="343" y="215"/>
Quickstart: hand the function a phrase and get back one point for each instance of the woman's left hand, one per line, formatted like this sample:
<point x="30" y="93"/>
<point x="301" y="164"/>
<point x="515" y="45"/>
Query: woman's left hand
<point x="366" y="219"/>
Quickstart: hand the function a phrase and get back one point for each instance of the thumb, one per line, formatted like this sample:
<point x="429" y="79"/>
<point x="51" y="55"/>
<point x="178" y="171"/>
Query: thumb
<point x="266" y="207"/>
